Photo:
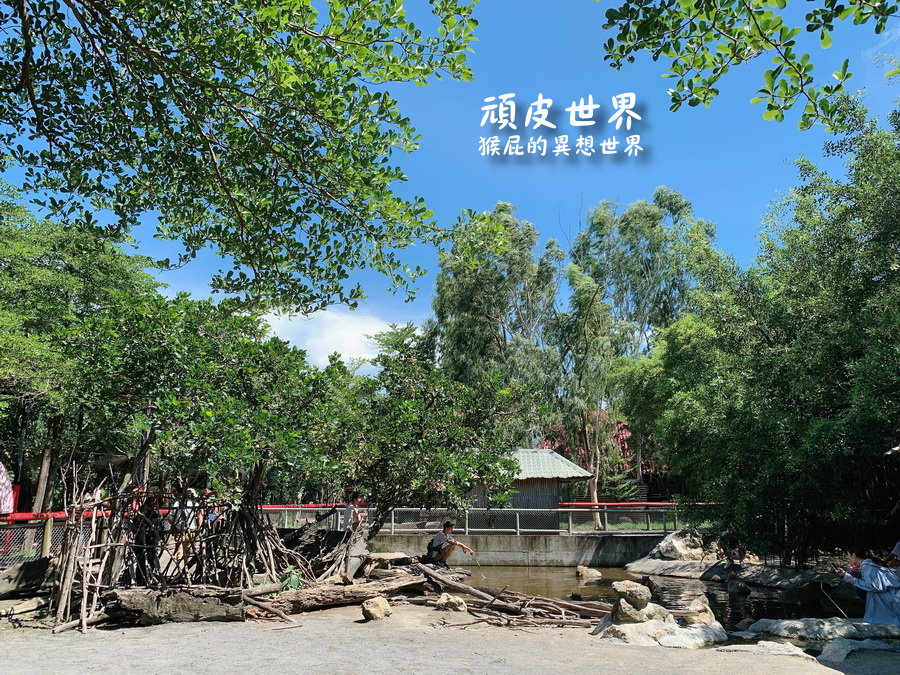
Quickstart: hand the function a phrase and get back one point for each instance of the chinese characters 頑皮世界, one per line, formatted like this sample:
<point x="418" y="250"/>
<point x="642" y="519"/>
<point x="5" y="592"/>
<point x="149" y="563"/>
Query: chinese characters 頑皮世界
<point x="500" y="112"/>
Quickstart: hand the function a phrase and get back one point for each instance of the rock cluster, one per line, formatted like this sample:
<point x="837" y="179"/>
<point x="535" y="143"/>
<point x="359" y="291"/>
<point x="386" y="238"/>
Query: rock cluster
<point x="636" y="620"/>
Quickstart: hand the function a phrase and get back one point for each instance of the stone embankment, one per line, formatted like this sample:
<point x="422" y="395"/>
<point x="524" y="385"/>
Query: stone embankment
<point x="681" y="554"/>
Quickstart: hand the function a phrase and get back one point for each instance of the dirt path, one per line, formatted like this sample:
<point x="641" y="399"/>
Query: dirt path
<point x="335" y="641"/>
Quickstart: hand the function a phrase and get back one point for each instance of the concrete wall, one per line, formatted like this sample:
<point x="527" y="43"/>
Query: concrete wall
<point x="594" y="550"/>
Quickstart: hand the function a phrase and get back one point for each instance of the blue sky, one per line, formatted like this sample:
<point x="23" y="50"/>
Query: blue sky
<point x="726" y="159"/>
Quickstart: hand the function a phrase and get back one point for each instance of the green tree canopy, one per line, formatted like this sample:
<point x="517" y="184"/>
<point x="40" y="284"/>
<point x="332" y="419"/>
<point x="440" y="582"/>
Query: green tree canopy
<point x="704" y="39"/>
<point x="256" y="128"/>
<point x="777" y="397"/>
<point x="415" y="436"/>
<point x="494" y="293"/>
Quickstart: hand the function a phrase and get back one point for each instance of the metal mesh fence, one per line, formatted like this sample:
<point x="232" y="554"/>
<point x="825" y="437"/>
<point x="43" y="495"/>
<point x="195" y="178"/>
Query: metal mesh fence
<point x="525" y="521"/>
<point x="21" y="542"/>
<point x="294" y="517"/>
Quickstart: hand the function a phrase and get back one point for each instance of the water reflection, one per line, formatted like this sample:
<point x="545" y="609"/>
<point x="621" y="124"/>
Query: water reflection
<point x="674" y="593"/>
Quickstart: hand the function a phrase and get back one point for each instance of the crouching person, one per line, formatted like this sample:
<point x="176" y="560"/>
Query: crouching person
<point x="442" y="546"/>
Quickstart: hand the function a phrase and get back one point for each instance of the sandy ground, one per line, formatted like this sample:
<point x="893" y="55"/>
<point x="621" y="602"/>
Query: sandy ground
<point x="409" y="641"/>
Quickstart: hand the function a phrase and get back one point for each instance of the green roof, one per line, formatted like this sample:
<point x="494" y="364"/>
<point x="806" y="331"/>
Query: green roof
<point x="545" y="463"/>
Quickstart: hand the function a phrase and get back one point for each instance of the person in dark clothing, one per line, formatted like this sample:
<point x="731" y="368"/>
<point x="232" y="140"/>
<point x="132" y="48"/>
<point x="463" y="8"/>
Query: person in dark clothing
<point x="443" y="544"/>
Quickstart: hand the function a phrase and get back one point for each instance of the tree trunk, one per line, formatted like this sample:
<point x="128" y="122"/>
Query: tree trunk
<point x="43" y="490"/>
<point x="23" y="419"/>
<point x="148" y="607"/>
<point x="638" y="458"/>
<point x="332" y="595"/>
<point x="593" y="467"/>
<point x="357" y="550"/>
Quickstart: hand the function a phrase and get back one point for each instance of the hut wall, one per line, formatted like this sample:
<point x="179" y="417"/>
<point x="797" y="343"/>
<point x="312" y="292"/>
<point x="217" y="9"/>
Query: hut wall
<point x="536" y="493"/>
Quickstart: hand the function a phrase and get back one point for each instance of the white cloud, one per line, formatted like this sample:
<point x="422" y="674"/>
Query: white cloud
<point x="329" y="331"/>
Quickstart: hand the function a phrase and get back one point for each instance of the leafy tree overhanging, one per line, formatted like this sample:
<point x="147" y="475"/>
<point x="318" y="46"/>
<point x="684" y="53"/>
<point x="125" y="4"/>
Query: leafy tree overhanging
<point x="255" y="128"/>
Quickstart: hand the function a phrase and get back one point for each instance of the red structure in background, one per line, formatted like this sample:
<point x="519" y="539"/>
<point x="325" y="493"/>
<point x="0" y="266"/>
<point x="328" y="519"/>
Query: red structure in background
<point x="652" y="474"/>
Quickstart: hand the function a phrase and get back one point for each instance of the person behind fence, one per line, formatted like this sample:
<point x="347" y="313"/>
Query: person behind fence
<point x="353" y="515"/>
<point x="443" y="544"/>
<point x="6" y="491"/>
<point x="882" y="586"/>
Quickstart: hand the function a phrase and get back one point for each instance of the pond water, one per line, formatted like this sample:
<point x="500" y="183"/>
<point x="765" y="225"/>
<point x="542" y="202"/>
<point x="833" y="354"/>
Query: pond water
<point x="673" y="593"/>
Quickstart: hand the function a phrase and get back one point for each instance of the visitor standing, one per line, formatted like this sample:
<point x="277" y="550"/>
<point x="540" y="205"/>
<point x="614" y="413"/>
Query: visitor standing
<point x="882" y="586"/>
<point x="353" y="515"/>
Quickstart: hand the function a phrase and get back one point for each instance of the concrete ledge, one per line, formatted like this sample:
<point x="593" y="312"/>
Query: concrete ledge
<point x="593" y="550"/>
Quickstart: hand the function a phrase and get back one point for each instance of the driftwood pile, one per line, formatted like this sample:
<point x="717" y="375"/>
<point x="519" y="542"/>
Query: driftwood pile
<point x="131" y="560"/>
<point x="502" y="607"/>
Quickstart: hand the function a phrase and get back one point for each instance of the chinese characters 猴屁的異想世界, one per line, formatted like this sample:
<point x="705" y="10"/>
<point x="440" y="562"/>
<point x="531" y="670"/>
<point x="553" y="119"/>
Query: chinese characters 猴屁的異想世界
<point x="500" y="112"/>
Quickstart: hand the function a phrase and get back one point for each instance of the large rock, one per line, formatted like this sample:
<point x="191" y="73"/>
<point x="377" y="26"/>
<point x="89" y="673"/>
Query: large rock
<point x="665" y="633"/>
<point x="685" y="544"/>
<point x="768" y="649"/>
<point x="633" y="593"/>
<point x="825" y="629"/>
<point x="838" y="650"/>
<point x="701" y="612"/>
<point x="695" y="637"/>
<point x="654" y="612"/>
<point x="623" y="612"/>
<point x="376" y="608"/>
<point x="587" y="575"/>
<point x="647" y="633"/>
<point x="450" y="603"/>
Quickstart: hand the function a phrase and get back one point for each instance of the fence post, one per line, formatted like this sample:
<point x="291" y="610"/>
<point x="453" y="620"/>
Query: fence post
<point x="518" y="529"/>
<point x="605" y="520"/>
<point x="648" y="521"/>
<point x="465" y="522"/>
<point x="570" y="521"/>
<point x="48" y="537"/>
<point x="675" y="519"/>
<point x="392" y="521"/>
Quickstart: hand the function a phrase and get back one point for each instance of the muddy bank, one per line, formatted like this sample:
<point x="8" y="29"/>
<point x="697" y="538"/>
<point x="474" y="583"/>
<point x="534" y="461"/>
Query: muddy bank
<point x="334" y="640"/>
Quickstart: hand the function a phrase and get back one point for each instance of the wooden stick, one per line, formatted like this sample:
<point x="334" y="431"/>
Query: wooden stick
<point x="491" y="602"/>
<point x="263" y="590"/>
<point x="267" y="607"/>
<point x="90" y="621"/>
<point x="463" y="625"/>
<point x="465" y="588"/>
<point x="293" y="625"/>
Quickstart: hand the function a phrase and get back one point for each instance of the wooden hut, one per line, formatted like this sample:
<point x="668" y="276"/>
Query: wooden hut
<point x="536" y="486"/>
<point x="540" y="472"/>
